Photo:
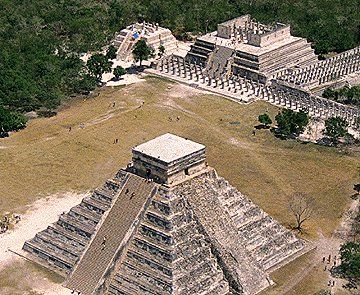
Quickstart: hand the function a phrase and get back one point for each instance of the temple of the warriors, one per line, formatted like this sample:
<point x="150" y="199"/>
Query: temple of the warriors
<point x="167" y="224"/>
<point x="244" y="60"/>
<point x="250" y="49"/>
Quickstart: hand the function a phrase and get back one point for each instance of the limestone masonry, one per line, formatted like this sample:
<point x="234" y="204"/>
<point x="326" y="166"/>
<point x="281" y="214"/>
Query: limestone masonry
<point x="245" y="60"/>
<point x="167" y="224"/>
<point x="152" y="34"/>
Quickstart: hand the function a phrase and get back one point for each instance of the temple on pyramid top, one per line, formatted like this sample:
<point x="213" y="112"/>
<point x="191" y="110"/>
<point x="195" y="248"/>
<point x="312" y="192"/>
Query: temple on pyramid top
<point x="168" y="158"/>
<point x="187" y="232"/>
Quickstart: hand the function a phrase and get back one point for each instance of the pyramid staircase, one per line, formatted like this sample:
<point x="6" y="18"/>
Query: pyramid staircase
<point x="168" y="254"/>
<point x="112" y="236"/>
<point x="218" y="63"/>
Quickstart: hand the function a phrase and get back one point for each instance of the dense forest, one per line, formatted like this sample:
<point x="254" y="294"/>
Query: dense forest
<point x="41" y="41"/>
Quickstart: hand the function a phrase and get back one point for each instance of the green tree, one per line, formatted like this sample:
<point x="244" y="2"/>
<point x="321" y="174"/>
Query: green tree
<point x="142" y="51"/>
<point x="161" y="50"/>
<point x="111" y="52"/>
<point x="98" y="64"/>
<point x="265" y="119"/>
<point x="290" y="123"/>
<point x="350" y="260"/>
<point x="335" y="128"/>
<point x="11" y="121"/>
<point x="118" y="72"/>
<point x="85" y="84"/>
<point x="329" y="93"/>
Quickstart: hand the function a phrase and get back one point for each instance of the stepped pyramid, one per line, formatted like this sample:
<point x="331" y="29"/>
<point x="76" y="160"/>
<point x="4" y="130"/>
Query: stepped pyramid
<point x="167" y="224"/>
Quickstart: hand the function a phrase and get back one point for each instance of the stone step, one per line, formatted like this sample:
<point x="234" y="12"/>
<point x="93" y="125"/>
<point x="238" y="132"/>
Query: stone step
<point x="60" y="244"/>
<point x="127" y="286"/>
<point x="153" y="257"/>
<point x="87" y="229"/>
<point x="68" y="234"/>
<point x="49" y="252"/>
<point x="283" y="253"/>
<point x="150" y="233"/>
<point x="143" y="282"/>
<point x="97" y="258"/>
<point x="164" y="275"/>
<point x="86" y="213"/>
<point x="95" y="204"/>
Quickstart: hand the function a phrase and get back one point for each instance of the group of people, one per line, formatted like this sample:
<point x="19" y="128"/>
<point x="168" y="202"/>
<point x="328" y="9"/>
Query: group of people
<point x="5" y="223"/>
<point x="331" y="283"/>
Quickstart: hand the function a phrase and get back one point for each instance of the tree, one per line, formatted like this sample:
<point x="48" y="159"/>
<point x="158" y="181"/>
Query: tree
<point x="302" y="207"/>
<point x="265" y="120"/>
<point x="98" y="64"/>
<point x="335" y="128"/>
<point x="350" y="260"/>
<point x="118" y="72"/>
<point x="161" y="50"/>
<point x="11" y="121"/>
<point x="111" y="52"/>
<point x="142" y="51"/>
<point x="85" y="84"/>
<point x="290" y="123"/>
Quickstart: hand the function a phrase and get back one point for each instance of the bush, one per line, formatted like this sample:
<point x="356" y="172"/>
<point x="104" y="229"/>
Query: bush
<point x="118" y="72"/>
<point x="345" y="95"/>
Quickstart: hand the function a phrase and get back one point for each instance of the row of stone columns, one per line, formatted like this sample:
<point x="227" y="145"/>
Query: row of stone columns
<point x="314" y="105"/>
<point x="324" y="71"/>
<point x="290" y="98"/>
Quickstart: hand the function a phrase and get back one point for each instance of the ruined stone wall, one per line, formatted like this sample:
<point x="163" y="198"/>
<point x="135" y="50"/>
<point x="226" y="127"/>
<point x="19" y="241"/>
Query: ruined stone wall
<point x="226" y="29"/>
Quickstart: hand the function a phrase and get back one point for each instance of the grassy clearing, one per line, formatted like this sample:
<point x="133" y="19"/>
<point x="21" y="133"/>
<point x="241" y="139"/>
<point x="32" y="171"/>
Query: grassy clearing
<point x="47" y="158"/>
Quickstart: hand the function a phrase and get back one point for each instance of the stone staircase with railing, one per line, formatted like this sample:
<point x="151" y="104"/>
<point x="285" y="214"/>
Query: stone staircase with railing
<point x="112" y="235"/>
<point x="217" y="66"/>
<point x="168" y="254"/>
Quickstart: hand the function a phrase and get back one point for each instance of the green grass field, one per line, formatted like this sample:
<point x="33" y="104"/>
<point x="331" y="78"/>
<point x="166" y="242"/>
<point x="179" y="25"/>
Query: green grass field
<point x="47" y="158"/>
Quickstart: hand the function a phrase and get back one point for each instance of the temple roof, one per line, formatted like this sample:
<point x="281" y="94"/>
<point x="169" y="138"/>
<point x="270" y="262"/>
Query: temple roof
<point x="169" y="147"/>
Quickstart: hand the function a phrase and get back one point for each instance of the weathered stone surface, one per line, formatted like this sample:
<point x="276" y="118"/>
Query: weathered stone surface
<point x="198" y="235"/>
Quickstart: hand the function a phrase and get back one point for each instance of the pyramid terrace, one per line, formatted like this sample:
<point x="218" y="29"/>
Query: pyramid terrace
<point x="183" y="233"/>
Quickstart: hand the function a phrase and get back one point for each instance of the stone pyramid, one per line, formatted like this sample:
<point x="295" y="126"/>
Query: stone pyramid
<point x="167" y="224"/>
